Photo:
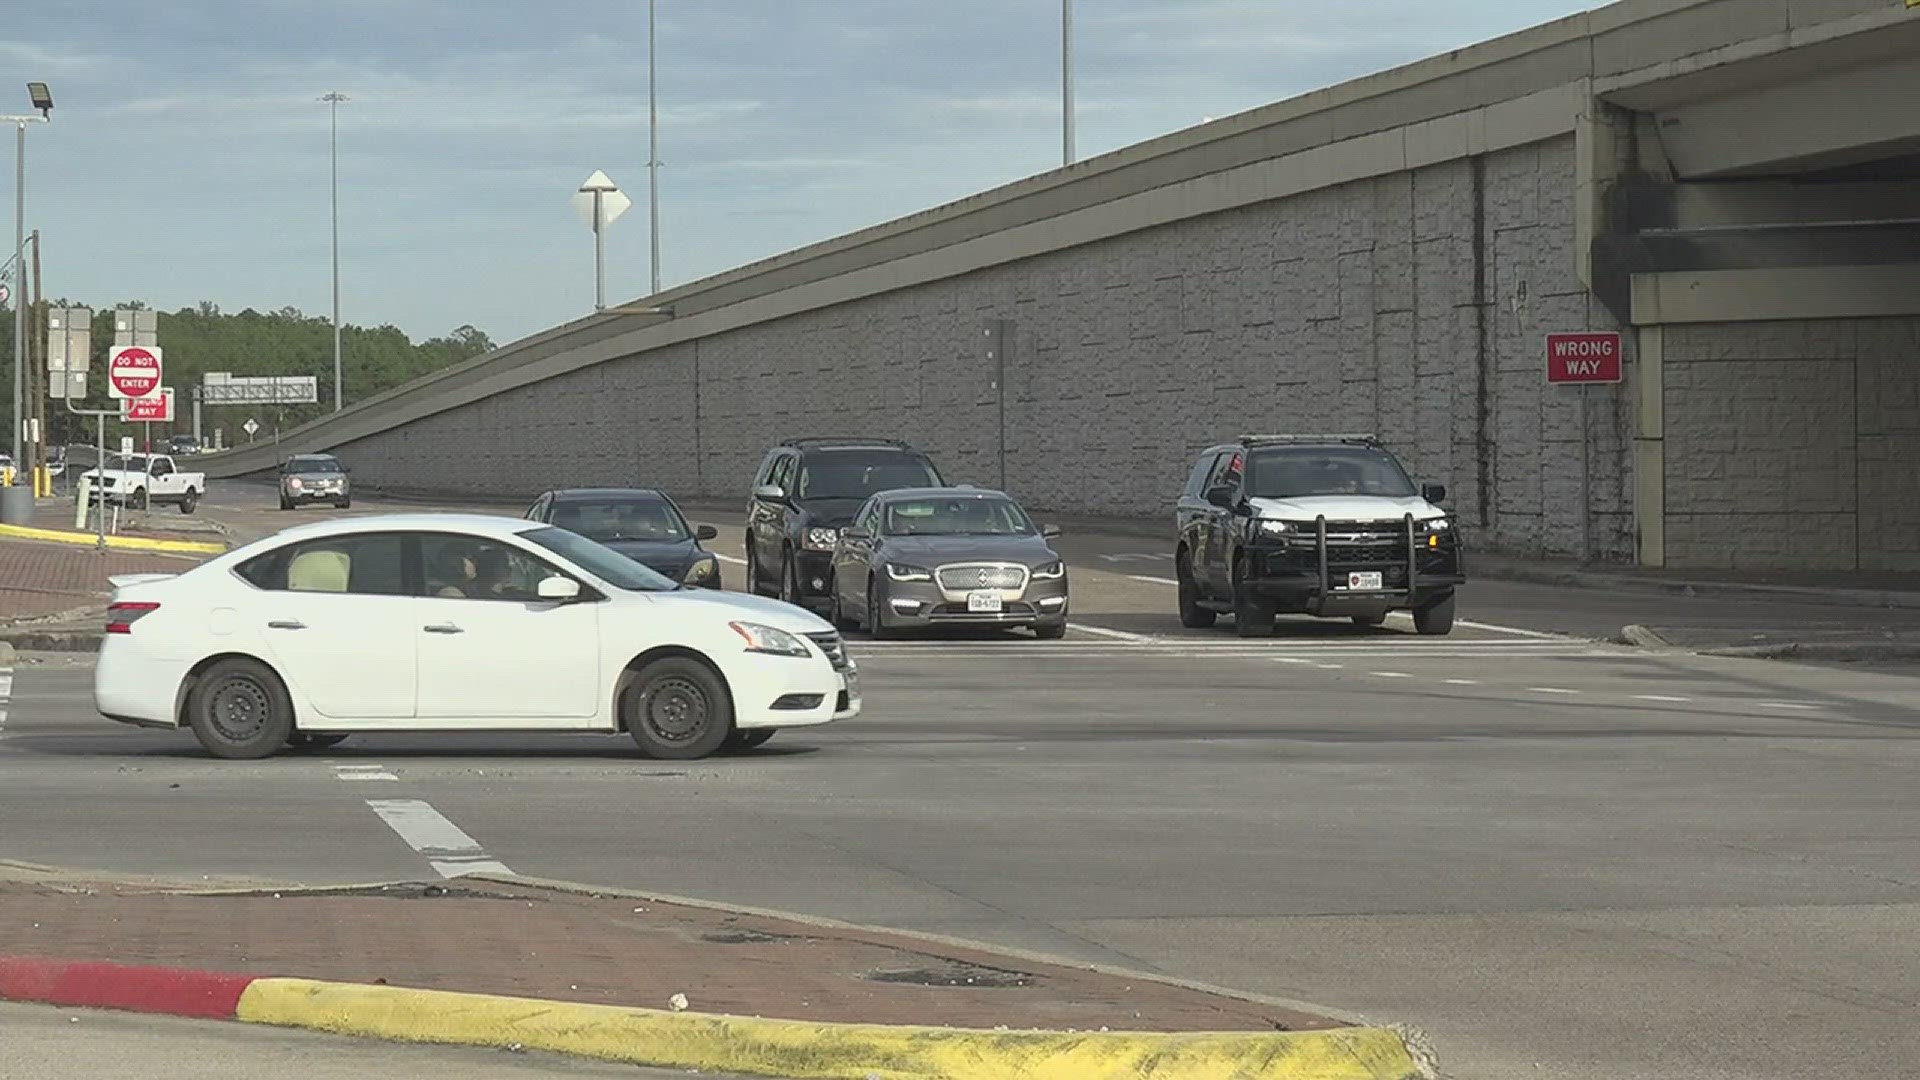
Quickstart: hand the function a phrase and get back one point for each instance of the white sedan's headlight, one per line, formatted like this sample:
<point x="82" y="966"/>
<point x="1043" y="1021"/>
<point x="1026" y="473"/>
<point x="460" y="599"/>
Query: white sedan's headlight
<point x="1052" y="571"/>
<point x="770" y="640"/>
<point x="822" y="539"/>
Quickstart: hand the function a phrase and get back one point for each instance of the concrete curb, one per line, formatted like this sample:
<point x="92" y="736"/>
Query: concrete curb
<point x="1644" y="637"/>
<point x="124" y="543"/>
<point x="798" y="1050"/>
<point x="1493" y="568"/>
<point x="1821" y="650"/>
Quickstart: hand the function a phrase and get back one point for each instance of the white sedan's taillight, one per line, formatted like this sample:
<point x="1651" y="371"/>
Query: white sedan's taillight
<point x="122" y="616"/>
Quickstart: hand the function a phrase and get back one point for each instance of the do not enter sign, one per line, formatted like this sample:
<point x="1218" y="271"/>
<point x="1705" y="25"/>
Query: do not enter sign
<point x="133" y="371"/>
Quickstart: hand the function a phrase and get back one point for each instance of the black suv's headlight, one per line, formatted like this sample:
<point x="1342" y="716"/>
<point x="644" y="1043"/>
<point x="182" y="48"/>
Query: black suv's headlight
<point x="821" y="539"/>
<point x="1274" y="528"/>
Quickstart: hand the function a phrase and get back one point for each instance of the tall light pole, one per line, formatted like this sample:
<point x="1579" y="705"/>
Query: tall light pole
<point x="42" y="99"/>
<point x="653" y="151"/>
<point x="1066" y="82"/>
<point x="333" y="100"/>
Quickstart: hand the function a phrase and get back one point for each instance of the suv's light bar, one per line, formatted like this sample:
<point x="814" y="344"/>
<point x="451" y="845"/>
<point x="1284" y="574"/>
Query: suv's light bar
<point x="800" y="443"/>
<point x="1364" y="437"/>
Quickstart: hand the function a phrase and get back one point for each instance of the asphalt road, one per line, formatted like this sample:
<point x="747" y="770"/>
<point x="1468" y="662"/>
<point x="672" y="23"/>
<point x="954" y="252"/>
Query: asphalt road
<point x="1562" y="859"/>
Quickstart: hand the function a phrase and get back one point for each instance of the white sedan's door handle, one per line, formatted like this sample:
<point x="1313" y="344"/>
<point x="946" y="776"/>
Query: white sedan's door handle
<point x="443" y="628"/>
<point x="286" y="624"/>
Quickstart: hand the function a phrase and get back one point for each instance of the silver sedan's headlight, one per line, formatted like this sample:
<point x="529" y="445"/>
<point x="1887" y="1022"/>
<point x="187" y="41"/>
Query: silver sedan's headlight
<point x="1052" y="571"/>
<point x="770" y="640"/>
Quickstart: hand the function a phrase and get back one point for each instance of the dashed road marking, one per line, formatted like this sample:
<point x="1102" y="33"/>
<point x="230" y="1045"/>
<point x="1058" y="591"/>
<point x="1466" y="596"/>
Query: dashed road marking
<point x="1550" y="690"/>
<point x="1151" y="580"/>
<point x="363" y="772"/>
<point x="1329" y="667"/>
<point x="729" y="560"/>
<point x="1392" y="674"/>
<point x="1786" y="705"/>
<point x="451" y="852"/>
<point x="1665" y="698"/>
<point x="1463" y="682"/>
<point x="1118" y="635"/>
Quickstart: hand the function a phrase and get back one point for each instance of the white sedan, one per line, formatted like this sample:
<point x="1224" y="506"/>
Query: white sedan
<point x="442" y="622"/>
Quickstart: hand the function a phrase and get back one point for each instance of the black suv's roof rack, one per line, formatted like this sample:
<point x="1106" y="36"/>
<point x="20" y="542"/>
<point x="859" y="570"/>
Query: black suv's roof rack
<point x="1362" y="438"/>
<point x="813" y="441"/>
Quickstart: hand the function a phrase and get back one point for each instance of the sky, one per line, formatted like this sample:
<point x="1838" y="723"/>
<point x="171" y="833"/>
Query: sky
<point x="188" y="158"/>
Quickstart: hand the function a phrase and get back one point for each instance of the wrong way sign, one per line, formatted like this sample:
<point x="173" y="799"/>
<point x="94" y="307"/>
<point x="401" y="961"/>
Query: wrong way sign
<point x="153" y="409"/>
<point x="133" y="371"/>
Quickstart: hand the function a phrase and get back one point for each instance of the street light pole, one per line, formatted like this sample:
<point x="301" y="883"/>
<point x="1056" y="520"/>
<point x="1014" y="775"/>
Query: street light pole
<point x="42" y="100"/>
<point x="1066" y="82"/>
<point x="653" y="151"/>
<point x="333" y="100"/>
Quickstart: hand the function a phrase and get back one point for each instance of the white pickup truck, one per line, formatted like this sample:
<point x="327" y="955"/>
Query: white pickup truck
<point x="140" y="480"/>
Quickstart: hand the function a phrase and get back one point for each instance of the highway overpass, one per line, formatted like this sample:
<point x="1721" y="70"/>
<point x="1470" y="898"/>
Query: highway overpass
<point x="1734" y="185"/>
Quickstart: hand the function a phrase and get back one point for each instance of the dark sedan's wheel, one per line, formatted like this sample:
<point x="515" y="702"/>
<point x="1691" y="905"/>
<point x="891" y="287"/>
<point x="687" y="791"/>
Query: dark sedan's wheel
<point x="1192" y="615"/>
<point x="750" y="738"/>
<point x="836" y="608"/>
<point x="239" y="710"/>
<point x="877" y="627"/>
<point x="306" y="740"/>
<point x="754" y="585"/>
<point x="677" y="709"/>
<point x="1252" y="618"/>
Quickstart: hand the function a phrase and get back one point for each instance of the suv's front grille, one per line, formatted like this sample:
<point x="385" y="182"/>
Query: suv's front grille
<point x="836" y="650"/>
<point x="964" y="578"/>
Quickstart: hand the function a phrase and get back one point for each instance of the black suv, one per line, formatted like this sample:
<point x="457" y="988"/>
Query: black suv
<point x="1326" y="525"/>
<point x="806" y="491"/>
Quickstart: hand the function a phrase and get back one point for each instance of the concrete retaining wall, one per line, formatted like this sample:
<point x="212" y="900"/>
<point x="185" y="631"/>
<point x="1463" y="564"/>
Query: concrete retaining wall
<point x="1347" y="308"/>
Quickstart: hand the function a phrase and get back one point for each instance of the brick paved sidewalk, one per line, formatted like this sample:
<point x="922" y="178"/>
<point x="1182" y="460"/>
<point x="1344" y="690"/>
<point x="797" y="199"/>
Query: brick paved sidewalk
<point x="534" y="942"/>
<point x="39" y="579"/>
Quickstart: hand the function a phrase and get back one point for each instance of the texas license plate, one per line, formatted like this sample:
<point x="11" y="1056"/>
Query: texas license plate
<point x="1363" y="582"/>
<point x="984" y="603"/>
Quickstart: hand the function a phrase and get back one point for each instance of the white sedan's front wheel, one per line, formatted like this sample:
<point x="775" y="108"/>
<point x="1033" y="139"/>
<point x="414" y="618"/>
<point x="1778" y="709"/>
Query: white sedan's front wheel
<point x="677" y="709"/>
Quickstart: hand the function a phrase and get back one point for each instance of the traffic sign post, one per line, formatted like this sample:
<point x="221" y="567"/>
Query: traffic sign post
<point x="1583" y="359"/>
<point x="249" y="427"/>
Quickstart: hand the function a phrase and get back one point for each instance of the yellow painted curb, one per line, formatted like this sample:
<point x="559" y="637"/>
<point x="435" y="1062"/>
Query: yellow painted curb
<point x="129" y="543"/>
<point x="801" y="1050"/>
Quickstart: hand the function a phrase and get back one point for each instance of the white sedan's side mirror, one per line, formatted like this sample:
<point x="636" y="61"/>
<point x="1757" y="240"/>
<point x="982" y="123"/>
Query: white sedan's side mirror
<point x="559" y="588"/>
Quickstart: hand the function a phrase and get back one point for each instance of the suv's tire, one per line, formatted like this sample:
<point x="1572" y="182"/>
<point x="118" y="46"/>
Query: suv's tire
<point x="189" y="501"/>
<point x="240" y="710"/>
<point x="754" y="587"/>
<point x="790" y="579"/>
<point x="876" y="625"/>
<point x="1192" y="615"/>
<point x="1251" y="617"/>
<point x="285" y="503"/>
<point x="1436" y="618"/>
<point x="677" y="709"/>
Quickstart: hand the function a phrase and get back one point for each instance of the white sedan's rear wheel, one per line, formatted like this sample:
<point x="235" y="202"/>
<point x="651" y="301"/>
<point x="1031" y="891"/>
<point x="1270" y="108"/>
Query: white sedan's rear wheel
<point x="677" y="709"/>
<point x="240" y="710"/>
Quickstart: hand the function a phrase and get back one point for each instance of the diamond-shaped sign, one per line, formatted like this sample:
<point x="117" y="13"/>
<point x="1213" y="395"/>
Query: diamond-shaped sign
<point x="613" y="201"/>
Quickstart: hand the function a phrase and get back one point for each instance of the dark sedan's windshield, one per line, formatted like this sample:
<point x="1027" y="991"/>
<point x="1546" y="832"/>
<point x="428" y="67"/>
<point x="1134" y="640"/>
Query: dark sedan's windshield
<point x="857" y="474"/>
<point x="602" y="562"/>
<point x="621" y="519"/>
<point x="1301" y="471"/>
<point x="963" y="516"/>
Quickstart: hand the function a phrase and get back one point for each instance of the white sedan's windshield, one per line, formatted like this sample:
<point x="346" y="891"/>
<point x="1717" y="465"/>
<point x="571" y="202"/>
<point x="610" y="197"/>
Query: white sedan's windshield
<point x="603" y="562"/>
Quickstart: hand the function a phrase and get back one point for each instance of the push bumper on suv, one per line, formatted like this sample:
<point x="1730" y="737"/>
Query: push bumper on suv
<point x="1354" y="568"/>
<point x="978" y="594"/>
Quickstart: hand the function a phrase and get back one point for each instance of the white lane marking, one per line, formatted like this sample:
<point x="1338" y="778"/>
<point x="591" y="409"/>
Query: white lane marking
<point x="6" y="695"/>
<point x="362" y="772"/>
<point x="1668" y="698"/>
<point x="1153" y="580"/>
<point x="1550" y="690"/>
<point x="730" y="560"/>
<point x="1391" y="674"/>
<point x="1786" y="705"/>
<point x="1102" y="631"/>
<point x="1463" y="682"/>
<point x="1158" y="556"/>
<point x="1407" y="616"/>
<point x="451" y="852"/>
<point x="1329" y="667"/>
<point x="1291" y="660"/>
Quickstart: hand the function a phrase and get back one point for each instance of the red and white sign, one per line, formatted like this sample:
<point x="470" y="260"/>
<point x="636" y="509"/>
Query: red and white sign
<point x="155" y="409"/>
<point x="1583" y="358"/>
<point x="133" y="371"/>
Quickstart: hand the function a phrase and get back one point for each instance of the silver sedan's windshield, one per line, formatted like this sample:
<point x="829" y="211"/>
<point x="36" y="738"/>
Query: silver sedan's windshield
<point x="962" y="516"/>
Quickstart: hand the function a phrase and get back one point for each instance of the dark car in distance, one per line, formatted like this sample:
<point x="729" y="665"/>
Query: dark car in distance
<point x="643" y="524"/>
<point x="806" y="491"/>
<point x="311" y="478"/>
<point x="923" y="557"/>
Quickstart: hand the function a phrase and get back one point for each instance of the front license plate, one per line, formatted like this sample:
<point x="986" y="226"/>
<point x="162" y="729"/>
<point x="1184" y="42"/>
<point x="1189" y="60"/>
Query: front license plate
<point x="1364" y="581"/>
<point x="984" y="603"/>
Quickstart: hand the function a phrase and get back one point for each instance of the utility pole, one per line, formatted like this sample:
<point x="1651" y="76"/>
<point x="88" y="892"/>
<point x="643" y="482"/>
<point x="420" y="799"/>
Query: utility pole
<point x="333" y="100"/>
<point x="653" y="149"/>
<point x="1066" y="82"/>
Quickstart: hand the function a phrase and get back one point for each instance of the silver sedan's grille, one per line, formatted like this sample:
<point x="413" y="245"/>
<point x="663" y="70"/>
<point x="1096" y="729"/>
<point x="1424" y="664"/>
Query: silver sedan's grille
<point x="964" y="578"/>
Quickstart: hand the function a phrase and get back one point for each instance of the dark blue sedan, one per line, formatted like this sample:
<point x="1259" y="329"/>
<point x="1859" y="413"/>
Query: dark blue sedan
<point x="641" y="523"/>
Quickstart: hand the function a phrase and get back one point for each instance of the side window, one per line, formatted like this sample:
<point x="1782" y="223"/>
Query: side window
<point x="765" y="475"/>
<point x="1235" y="466"/>
<point x="1197" y="480"/>
<point x="458" y="567"/>
<point x="371" y="565"/>
<point x="783" y="473"/>
<point x="870" y="519"/>
<point x="538" y="511"/>
<point x="162" y="467"/>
